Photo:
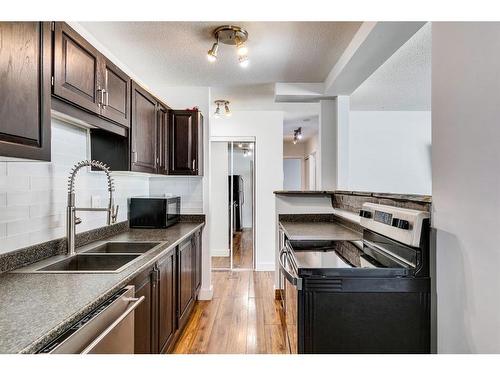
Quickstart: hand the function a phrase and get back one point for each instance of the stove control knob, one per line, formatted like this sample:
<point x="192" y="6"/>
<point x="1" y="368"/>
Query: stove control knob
<point x="366" y="214"/>
<point x="400" y="223"/>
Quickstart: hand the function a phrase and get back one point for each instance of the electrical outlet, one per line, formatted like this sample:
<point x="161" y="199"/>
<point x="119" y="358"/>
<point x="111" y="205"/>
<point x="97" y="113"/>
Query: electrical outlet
<point x="95" y="201"/>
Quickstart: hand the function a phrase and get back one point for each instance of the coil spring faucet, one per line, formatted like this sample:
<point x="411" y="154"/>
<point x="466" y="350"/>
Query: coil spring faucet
<point x="71" y="219"/>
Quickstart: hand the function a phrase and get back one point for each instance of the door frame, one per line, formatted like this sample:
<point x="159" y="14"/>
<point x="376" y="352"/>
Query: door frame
<point x="230" y="141"/>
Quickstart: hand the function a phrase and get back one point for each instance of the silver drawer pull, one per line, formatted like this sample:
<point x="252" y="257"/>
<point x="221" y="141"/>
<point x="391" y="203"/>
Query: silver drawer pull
<point x="135" y="302"/>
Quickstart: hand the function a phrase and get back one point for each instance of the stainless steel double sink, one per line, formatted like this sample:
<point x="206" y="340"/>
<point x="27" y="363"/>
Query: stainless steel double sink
<point x="100" y="257"/>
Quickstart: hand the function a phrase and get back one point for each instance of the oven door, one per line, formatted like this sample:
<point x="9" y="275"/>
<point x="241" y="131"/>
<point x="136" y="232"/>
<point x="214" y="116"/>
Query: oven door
<point x="293" y="284"/>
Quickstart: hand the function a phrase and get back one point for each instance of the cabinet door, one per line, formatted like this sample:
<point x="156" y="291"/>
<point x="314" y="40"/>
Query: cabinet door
<point x="143" y="139"/>
<point x="25" y="56"/>
<point x="77" y="77"/>
<point x="166" y="301"/>
<point x="197" y="261"/>
<point x="116" y="103"/>
<point x="162" y="139"/>
<point x="144" y="325"/>
<point x="185" y="259"/>
<point x="183" y="136"/>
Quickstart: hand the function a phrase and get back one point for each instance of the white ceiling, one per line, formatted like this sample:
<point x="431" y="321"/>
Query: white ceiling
<point x="261" y="97"/>
<point x="175" y="52"/>
<point x="403" y="82"/>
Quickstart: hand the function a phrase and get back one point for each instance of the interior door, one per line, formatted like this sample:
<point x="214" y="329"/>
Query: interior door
<point x="144" y="131"/>
<point x="25" y="71"/>
<point x="77" y="73"/>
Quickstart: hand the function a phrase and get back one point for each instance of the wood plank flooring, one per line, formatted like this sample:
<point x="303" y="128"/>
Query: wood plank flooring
<point x="243" y="317"/>
<point x="242" y="255"/>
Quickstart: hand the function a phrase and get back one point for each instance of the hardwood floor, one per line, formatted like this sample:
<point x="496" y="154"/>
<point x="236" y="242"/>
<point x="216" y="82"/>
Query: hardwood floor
<point x="242" y="255"/>
<point x="243" y="317"/>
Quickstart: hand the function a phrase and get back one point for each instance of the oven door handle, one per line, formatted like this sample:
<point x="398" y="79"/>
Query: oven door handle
<point x="292" y="278"/>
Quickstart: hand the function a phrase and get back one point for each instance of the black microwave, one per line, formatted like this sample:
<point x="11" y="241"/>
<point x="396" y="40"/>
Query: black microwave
<point x="154" y="212"/>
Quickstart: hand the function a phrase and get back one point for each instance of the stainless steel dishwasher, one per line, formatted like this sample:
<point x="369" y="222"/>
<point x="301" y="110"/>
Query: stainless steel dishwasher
<point x="108" y="329"/>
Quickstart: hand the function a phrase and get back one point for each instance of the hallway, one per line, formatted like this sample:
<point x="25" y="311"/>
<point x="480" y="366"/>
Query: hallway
<point x="243" y="317"/>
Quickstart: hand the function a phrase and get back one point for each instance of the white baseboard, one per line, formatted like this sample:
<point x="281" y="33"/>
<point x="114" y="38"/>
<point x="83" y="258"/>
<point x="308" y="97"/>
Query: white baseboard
<point x="206" y="294"/>
<point x="220" y="252"/>
<point x="265" y="266"/>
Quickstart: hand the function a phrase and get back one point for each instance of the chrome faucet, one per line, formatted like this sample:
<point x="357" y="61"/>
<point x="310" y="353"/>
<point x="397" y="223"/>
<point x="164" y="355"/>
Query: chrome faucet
<point x="71" y="220"/>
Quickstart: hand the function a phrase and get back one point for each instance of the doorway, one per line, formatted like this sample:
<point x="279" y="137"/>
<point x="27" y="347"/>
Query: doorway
<point x="233" y="205"/>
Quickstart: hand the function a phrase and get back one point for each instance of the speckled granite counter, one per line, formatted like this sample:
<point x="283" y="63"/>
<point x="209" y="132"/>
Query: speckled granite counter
<point x="35" y="308"/>
<point x="318" y="231"/>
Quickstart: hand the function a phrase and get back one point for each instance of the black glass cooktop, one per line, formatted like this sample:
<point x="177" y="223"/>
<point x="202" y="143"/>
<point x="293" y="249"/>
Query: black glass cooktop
<point x="348" y="257"/>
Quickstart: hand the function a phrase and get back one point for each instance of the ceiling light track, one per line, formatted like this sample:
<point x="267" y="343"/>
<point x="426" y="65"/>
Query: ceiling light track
<point x="231" y="35"/>
<point x="222" y="108"/>
<point x="297" y="135"/>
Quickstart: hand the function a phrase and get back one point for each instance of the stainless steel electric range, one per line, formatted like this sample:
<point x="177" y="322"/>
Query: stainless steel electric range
<point x="366" y="296"/>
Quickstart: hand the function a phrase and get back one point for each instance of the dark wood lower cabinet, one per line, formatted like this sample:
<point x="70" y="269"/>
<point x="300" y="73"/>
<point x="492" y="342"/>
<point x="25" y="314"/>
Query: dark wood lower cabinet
<point x="186" y="295"/>
<point x="170" y="288"/>
<point x="167" y="303"/>
<point x="144" y="318"/>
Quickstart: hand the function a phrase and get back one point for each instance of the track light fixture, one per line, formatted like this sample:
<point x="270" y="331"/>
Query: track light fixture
<point x="232" y="35"/>
<point x="222" y="108"/>
<point x="297" y="135"/>
<point x="212" y="52"/>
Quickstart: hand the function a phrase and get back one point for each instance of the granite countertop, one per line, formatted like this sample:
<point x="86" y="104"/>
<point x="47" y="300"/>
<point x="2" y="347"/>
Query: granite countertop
<point x="393" y="196"/>
<point x="35" y="308"/>
<point x="333" y="231"/>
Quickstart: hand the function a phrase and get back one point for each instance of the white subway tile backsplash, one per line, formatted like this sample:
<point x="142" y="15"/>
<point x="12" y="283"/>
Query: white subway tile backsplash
<point x="33" y="195"/>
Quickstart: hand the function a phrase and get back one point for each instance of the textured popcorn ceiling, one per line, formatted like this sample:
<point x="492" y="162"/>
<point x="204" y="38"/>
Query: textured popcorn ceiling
<point x="403" y="82"/>
<point x="175" y="52"/>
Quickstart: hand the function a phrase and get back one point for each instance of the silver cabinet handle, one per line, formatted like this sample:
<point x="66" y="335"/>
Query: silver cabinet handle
<point x="103" y="101"/>
<point x="98" y="339"/>
<point x="194" y="164"/>
<point x="99" y="97"/>
<point x="134" y="157"/>
<point x="107" y="97"/>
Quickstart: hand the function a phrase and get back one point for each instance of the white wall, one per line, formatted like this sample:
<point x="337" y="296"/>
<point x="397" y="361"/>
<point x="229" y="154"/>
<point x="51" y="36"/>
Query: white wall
<point x="33" y="195"/>
<point x="297" y="151"/>
<point x="292" y="174"/>
<point x="267" y="129"/>
<point x="190" y="189"/>
<point x="242" y="166"/>
<point x="219" y="200"/>
<point x="390" y="151"/>
<point x="466" y="184"/>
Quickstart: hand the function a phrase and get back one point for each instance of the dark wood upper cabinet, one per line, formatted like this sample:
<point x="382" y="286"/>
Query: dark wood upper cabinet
<point x="163" y="118"/>
<point x="185" y="280"/>
<point x="167" y="302"/>
<point x="185" y="143"/>
<point x="78" y="75"/>
<point x="143" y="134"/>
<point x="116" y="94"/>
<point x="25" y="71"/>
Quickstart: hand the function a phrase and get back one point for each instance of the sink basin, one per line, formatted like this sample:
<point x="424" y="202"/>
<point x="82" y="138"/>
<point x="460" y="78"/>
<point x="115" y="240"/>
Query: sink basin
<point x="90" y="263"/>
<point x="122" y="248"/>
